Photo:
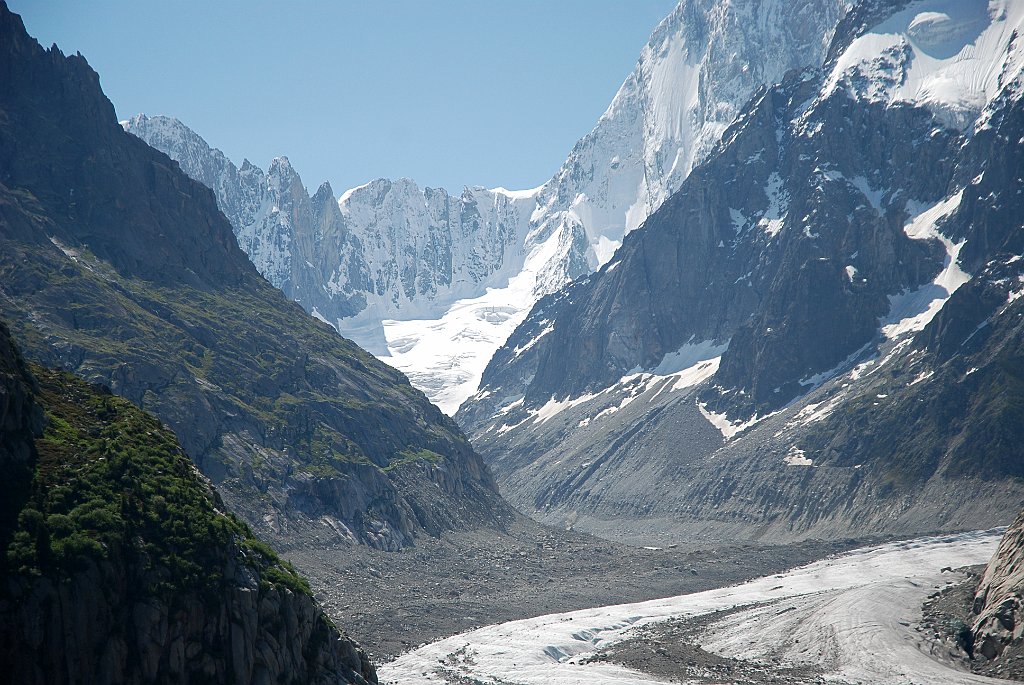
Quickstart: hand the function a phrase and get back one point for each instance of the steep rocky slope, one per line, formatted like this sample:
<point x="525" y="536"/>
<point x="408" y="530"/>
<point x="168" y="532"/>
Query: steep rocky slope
<point x="999" y="622"/>
<point x="119" y="564"/>
<point x="778" y="345"/>
<point x="436" y="283"/>
<point x="117" y="266"/>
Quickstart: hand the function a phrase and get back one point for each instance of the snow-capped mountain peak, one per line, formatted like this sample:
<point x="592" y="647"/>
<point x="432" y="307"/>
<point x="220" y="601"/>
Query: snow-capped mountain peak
<point x="413" y="274"/>
<point x="700" y="66"/>
<point x="950" y="56"/>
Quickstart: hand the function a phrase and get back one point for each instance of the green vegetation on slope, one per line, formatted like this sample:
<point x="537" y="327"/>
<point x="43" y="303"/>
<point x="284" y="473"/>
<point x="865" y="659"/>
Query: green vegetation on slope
<point x="120" y="562"/>
<point x="259" y="393"/>
<point x="110" y="479"/>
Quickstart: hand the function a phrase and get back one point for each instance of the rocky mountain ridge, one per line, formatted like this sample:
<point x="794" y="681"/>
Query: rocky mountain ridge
<point x="790" y="379"/>
<point x="715" y="239"/>
<point x="384" y="250"/>
<point x="117" y="266"/>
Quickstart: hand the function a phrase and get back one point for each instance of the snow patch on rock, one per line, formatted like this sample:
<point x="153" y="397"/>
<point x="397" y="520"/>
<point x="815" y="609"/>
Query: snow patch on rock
<point x="911" y="311"/>
<point x="950" y="56"/>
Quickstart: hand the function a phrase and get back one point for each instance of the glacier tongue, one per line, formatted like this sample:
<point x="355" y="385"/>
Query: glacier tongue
<point x="848" y="617"/>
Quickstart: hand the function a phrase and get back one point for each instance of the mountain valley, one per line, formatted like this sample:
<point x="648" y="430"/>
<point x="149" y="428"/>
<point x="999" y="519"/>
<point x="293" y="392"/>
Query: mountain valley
<point x="736" y="396"/>
<point x="434" y="284"/>
<point x="121" y="269"/>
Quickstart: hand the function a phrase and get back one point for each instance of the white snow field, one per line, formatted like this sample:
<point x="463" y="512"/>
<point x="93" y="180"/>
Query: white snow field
<point x="852" y="615"/>
<point x="951" y="56"/>
<point x="699" y="68"/>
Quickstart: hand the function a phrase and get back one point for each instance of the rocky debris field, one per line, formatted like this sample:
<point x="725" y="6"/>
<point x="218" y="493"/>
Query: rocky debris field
<point x="671" y="650"/>
<point x="390" y="602"/>
<point x="947" y="617"/>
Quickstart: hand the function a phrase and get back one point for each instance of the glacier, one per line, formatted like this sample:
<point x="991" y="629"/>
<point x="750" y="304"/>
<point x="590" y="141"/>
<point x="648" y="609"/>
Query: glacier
<point x="851" y="616"/>
<point x="434" y="283"/>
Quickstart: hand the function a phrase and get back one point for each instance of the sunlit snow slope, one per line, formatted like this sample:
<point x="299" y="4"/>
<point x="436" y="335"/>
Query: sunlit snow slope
<point x="389" y="270"/>
<point x="700" y="66"/>
<point x="950" y="56"/>
<point x="851" y="616"/>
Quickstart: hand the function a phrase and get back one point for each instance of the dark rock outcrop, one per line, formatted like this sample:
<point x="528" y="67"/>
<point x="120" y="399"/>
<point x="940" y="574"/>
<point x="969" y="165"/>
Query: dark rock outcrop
<point x="119" y="564"/>
<point x="955" y="405"/>
<point x="999" y="601"/>
<point x="21" y="419"/>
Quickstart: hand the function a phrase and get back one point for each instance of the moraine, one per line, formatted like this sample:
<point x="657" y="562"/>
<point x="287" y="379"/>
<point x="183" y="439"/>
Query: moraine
<point x="855" y="613"/>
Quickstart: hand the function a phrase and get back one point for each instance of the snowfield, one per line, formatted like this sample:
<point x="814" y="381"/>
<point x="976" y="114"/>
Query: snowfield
<point x="951" y="56"/>
<point x="852" y="615"/>
<point x="699" y="68"/>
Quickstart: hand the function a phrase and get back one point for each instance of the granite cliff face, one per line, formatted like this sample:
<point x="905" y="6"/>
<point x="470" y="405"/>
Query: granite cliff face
<point x="818" y="331"/>
<point x="998" y="605"/>
<point x="119" y="564"/>
<point x="117" y="266"/>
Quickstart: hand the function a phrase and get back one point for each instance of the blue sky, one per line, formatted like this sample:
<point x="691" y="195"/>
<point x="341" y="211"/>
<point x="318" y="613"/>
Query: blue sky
<point x="449" y="92"/>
